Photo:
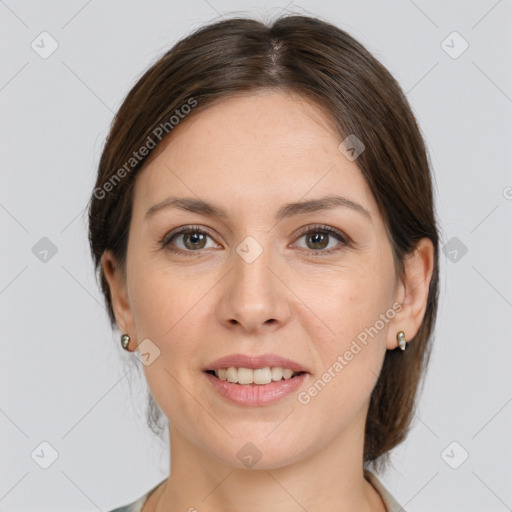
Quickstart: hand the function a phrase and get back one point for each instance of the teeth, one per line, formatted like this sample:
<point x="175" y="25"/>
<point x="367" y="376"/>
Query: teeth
<point x="259" y="376"/>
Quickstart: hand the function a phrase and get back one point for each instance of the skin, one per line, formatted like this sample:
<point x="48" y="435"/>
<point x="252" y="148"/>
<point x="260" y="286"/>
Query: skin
<point x="251" y="154"/>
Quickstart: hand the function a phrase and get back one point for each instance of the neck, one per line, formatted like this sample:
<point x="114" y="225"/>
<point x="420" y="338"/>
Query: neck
<point x="329" y="480"/>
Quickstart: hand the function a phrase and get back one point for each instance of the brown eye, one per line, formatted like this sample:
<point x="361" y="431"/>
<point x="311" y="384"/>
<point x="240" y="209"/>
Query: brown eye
<point x="318" y="239"/>
<point x="194" y="240"/>
<point x="187" y="240"/>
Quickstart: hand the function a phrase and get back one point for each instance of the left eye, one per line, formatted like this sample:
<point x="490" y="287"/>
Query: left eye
<point x="318" y="239"/>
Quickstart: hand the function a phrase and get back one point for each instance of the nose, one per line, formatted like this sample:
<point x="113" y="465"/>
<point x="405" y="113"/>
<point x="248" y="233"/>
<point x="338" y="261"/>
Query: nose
<point x="253" y="295"/>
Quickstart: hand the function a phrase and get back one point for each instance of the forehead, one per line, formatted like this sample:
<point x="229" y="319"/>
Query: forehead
<point x="262" y="148"/>
<point x="250" y="122"/>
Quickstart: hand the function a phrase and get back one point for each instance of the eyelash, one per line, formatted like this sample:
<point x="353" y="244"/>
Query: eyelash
<point x="165" y="241"/>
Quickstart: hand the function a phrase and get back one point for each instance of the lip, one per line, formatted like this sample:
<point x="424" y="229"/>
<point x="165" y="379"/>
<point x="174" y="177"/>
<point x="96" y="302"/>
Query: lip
<point x="256" y="394"/>
<point x="254" y="362"/>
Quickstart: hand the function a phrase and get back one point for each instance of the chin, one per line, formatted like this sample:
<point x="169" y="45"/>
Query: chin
<point x="258" y="454"/>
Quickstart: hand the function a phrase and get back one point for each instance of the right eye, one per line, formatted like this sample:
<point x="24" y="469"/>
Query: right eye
<point x="193" y="239"/>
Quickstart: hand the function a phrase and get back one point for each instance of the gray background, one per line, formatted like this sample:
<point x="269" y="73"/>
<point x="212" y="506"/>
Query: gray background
<point x="61" y="377"/>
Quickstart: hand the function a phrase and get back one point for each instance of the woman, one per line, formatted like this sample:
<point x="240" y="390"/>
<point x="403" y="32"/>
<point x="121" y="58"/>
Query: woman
<point x="264" y="231"/>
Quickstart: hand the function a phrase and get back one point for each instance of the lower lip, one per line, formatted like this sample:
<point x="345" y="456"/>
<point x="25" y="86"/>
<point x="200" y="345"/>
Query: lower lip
<point x="256" y="394"/>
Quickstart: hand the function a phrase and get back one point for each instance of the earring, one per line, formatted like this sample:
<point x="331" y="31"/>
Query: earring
<point x="400" y="336"/>
<point x="125" y="340"/>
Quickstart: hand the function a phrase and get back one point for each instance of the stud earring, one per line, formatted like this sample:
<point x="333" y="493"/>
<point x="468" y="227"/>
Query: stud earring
<point x="400" y="336"/>
<point x="125" y="340"/>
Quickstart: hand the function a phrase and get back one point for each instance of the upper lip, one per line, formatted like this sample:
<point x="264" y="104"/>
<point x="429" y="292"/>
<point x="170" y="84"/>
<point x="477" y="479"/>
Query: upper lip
<point x="254" y="362"/>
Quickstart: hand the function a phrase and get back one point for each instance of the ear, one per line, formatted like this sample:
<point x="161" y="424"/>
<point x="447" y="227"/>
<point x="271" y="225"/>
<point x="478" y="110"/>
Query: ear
<point x="412" y="292"/>
<point x="118" y="293"/>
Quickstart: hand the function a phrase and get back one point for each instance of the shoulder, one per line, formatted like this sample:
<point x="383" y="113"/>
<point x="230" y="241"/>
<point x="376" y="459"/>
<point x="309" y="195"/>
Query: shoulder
<point x="137" y="505"/>
<point x="391" y="504"/>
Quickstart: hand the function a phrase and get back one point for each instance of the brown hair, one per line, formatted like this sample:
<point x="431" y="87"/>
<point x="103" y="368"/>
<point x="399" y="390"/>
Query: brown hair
<point x="313" y="58"/>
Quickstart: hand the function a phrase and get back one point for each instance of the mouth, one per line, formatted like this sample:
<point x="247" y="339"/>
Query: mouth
<point x="258" y="370"/>
<point x="255" y="387"/>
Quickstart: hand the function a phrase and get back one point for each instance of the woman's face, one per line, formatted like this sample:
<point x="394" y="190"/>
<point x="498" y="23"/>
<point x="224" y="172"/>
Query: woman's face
<point x="250" y="283"/>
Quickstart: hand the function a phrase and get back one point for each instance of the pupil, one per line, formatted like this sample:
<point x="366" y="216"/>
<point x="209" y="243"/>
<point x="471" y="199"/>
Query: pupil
<point x="315" y="238"/>
<point x="195" y="238"/>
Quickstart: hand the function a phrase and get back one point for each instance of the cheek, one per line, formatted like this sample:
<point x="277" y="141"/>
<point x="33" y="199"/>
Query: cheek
<point x="163" y="309"/>
<point x="169" y="309"/>
<point x="347" y="301"/>
<point x="159" y="299"/>
<point x="354" y="311"/>
<point x="351" y="356"/>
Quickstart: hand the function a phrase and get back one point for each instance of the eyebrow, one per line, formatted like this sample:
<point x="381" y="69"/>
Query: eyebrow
<point x="288" y="210"/>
